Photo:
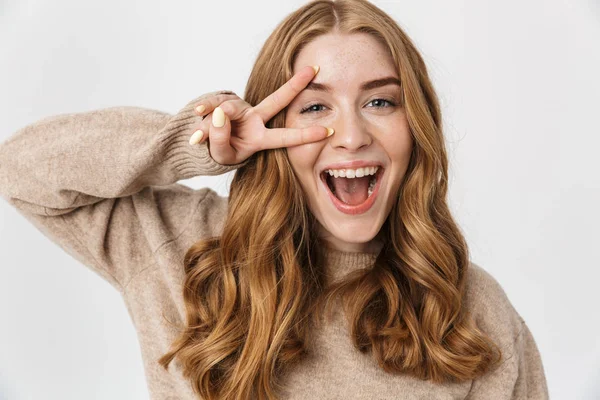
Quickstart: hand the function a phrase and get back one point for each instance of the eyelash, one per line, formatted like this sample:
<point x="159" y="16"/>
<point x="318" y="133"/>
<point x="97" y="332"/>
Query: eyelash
<point x="307" y="108"/>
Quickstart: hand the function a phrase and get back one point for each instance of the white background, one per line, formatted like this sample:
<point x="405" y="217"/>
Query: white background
<point x="518" y="83"/>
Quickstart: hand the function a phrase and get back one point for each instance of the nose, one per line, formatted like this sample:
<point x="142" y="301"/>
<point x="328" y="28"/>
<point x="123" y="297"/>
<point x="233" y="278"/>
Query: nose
<point x="351" y="132"/>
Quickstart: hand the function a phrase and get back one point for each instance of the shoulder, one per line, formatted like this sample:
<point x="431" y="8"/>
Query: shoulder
<point x="520" y="373"/>
<point x="490" y="306"/>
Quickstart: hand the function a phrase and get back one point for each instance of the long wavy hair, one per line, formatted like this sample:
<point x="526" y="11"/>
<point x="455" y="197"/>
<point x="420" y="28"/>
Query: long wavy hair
<point x="254" y="294"/>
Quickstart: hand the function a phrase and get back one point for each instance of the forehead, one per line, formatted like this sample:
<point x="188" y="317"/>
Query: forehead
<point x="347" y="57"/>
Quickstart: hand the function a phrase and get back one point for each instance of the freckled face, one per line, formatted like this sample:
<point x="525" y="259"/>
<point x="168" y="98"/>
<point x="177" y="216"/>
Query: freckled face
<point x="369" y="125"/>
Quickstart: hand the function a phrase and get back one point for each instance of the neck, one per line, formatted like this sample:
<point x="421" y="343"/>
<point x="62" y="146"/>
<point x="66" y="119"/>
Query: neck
<point x="331" y="242"/>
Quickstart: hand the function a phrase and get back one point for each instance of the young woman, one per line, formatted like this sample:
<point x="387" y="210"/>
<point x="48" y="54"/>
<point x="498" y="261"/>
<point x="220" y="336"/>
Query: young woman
<point x="333" y="270"/>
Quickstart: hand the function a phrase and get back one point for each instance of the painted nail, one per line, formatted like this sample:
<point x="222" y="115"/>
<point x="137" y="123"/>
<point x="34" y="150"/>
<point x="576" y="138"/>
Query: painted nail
<point x="316" y="68"/>
<point x="196" y="137"/>
<point x="330" y="131"/>
<point x="218" y="118"/>
<point x="200" y="109"/>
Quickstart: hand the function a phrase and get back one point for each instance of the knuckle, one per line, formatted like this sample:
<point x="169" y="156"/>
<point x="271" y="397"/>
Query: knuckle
<point x="205" y="127"/>
<point x="294" y="86"/>
<point x="226" y="106"/>
<point x="218" y="135"/>
<point x="235" y="108"/>
<point x="276" y="99"/>
<point x="218" y="139"/>
<point x="227" y="92"/>
<point x="259" y="144"/>
<point x="215" y="97"/>
<point x="227" y="95"/>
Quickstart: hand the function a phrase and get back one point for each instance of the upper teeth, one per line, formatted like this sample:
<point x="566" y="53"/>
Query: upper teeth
<point x="352" y="173"/>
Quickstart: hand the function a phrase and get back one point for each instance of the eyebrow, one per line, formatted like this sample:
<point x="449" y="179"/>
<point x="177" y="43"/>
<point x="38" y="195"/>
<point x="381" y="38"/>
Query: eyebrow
<point x="390" y="80"/>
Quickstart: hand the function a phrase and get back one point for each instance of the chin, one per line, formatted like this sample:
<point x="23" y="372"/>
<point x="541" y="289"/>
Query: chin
<point x="354" y="233"/>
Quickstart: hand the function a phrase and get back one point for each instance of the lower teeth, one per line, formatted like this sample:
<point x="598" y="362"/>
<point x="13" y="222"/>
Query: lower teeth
<point x="371" y="187"/>
<point x="369" y="190"/>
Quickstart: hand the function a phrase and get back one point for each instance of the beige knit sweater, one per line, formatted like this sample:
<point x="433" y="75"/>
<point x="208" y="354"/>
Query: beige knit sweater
<point x="103" y="186"/>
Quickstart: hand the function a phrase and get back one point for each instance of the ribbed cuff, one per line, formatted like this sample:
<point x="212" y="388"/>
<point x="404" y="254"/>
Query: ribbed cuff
<point x="184" y="159"/>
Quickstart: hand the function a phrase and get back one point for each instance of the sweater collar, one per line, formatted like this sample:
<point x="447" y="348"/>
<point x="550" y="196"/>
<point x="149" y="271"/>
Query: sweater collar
<point x="338" y="263"/>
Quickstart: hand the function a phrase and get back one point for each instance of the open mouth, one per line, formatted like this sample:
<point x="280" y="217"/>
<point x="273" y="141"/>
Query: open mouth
<point x="352" y="192"/>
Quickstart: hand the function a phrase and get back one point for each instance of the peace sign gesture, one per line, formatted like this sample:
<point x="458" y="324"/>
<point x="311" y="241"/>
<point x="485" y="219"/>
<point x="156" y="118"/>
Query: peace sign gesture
<point x="237" y="130"/>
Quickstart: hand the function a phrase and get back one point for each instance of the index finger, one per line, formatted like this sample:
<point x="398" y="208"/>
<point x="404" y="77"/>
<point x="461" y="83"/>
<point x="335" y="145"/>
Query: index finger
<point x="283" y="96"/>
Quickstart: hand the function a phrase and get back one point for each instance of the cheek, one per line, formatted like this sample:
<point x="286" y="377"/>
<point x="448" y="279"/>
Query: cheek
<point x="400" y="148"/>
<point x="398" y="141"/>
<point x="303" y="159"/>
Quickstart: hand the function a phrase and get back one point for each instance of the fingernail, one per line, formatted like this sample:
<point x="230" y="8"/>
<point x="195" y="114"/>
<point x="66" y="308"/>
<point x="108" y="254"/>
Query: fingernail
<point x="316" y="68"/>
<point x="196" y="137"/>
<point x="200" y="109"/>
<point x="330" y="131"/>
<point x="218" y="118"/>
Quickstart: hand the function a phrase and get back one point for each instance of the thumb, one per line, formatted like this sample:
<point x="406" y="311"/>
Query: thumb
<point x="220" y="136"/>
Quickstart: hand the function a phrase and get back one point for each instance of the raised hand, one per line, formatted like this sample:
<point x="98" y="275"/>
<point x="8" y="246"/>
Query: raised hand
<point x="236" y="130"/>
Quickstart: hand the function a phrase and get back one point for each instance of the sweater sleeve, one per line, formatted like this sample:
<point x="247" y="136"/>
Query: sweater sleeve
<point x="102" y="184"/>
<point x="520" y="376"/>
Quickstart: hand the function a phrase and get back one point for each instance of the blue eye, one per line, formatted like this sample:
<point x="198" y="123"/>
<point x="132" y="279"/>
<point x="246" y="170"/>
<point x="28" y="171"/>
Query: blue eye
<point x="310" y="108"/>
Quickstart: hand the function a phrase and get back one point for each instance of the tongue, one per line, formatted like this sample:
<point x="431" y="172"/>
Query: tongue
<point x="351" y="191"/>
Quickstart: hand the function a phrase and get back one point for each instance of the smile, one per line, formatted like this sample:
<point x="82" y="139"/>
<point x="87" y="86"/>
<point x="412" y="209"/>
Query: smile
<point x="352" y="209"/>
